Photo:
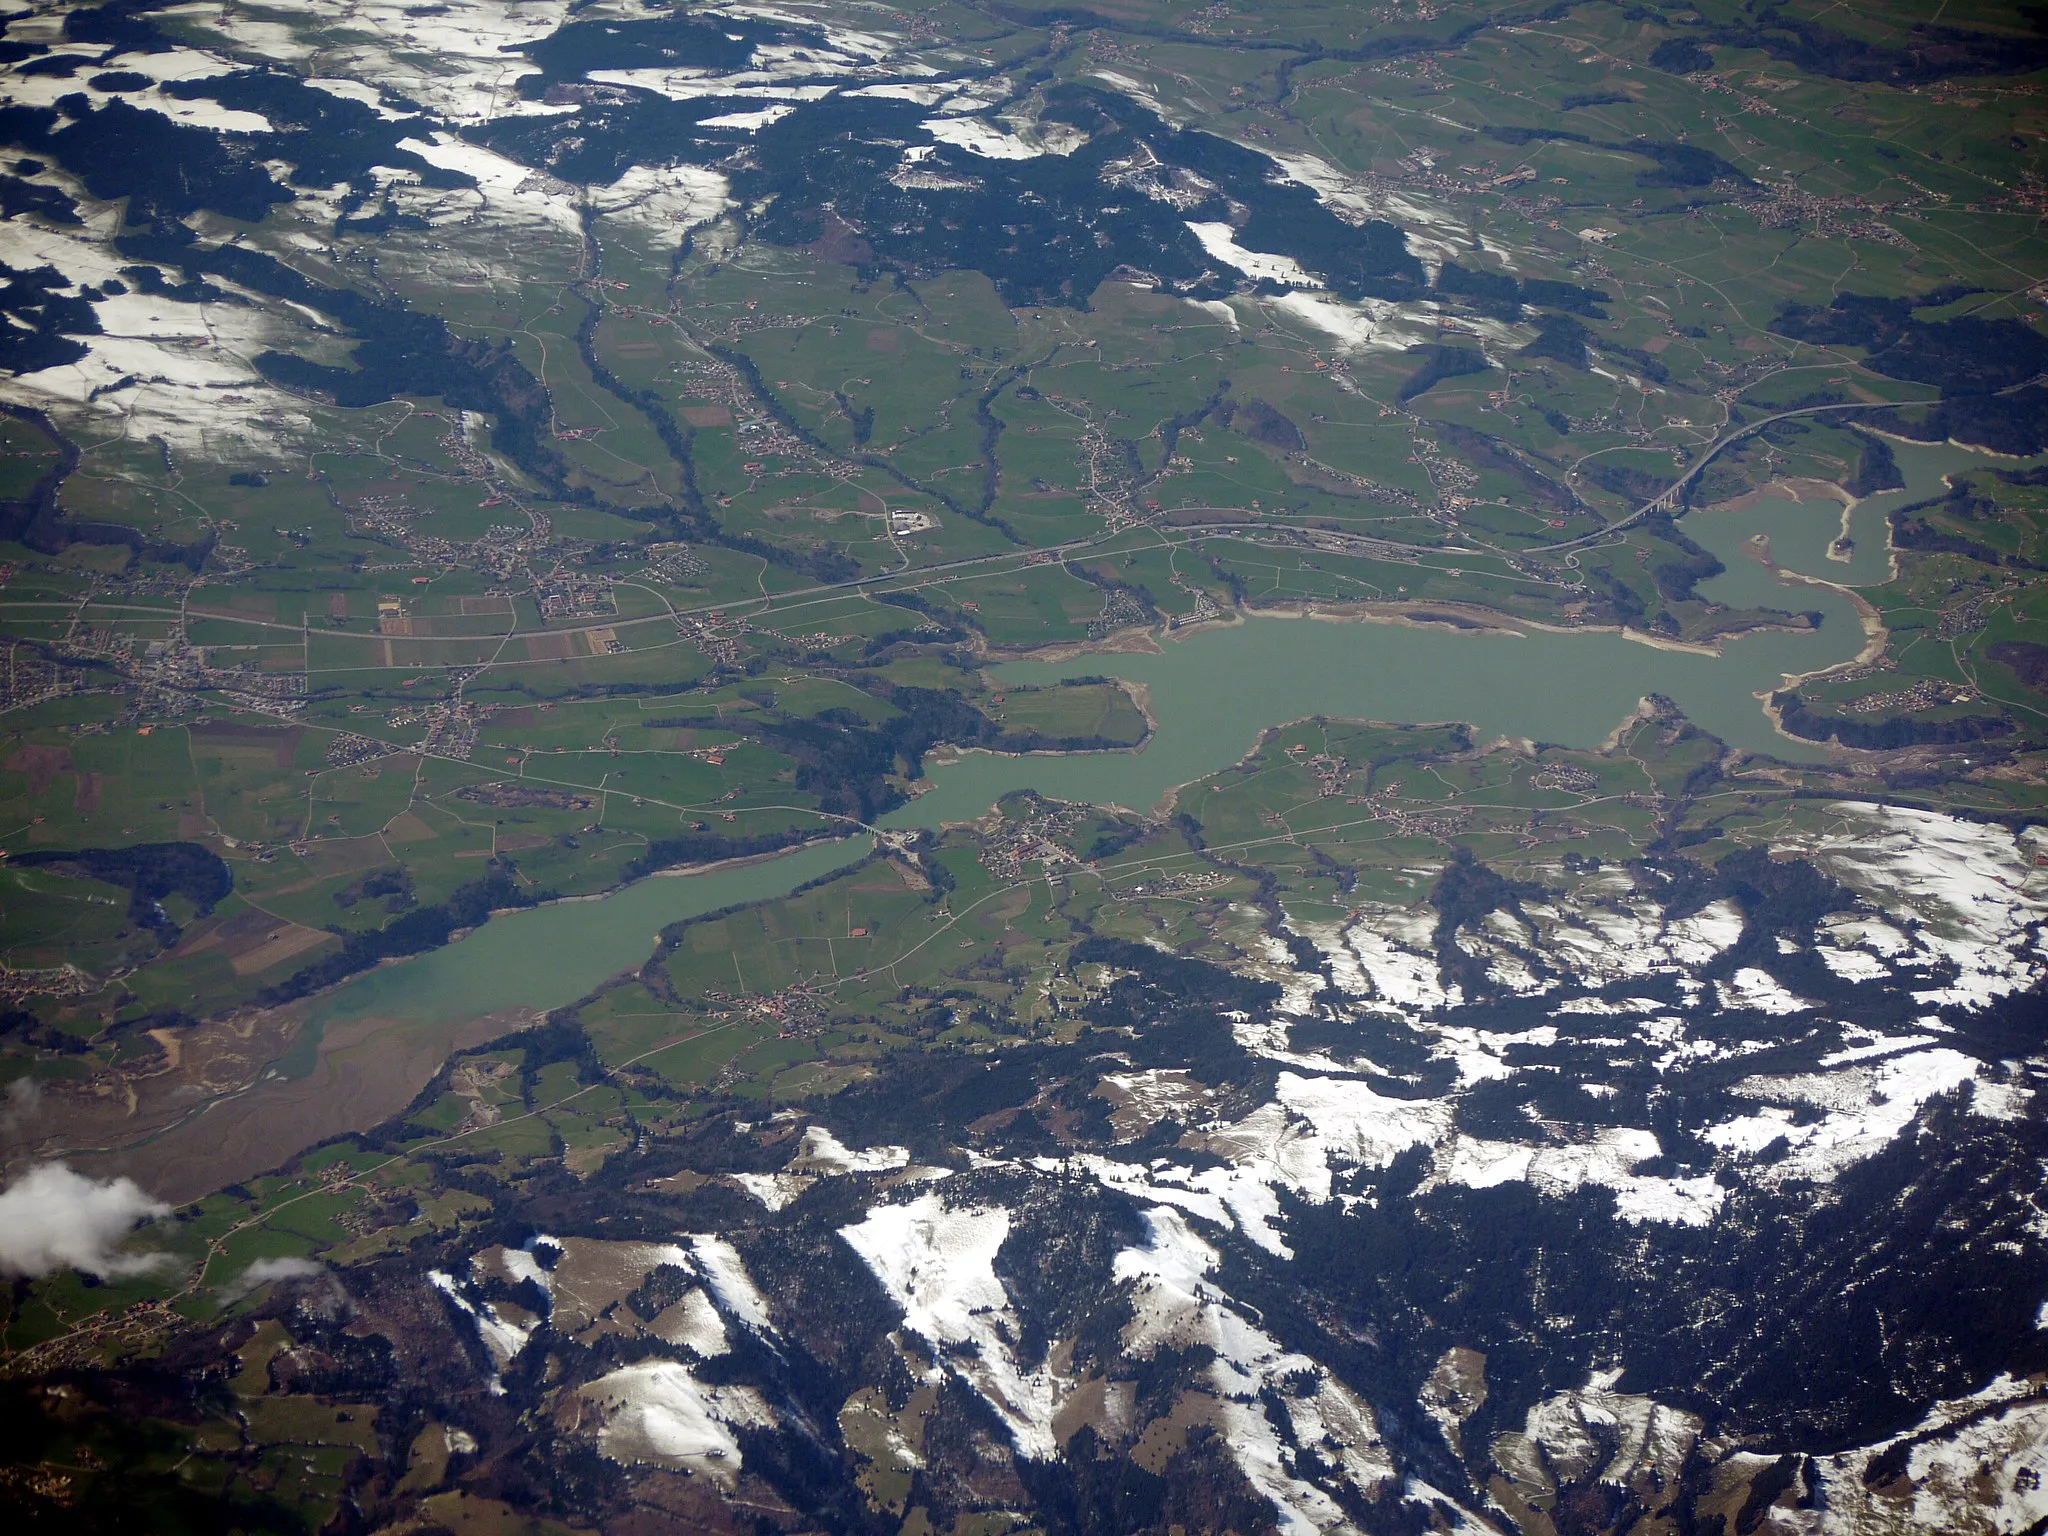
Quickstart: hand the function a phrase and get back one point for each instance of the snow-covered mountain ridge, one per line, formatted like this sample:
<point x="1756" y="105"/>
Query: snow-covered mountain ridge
<point x="1174" y="1192"/>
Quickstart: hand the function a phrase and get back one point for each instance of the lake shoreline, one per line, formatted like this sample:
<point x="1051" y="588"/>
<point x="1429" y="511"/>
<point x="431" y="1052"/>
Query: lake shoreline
<point x="1206" y="703"/>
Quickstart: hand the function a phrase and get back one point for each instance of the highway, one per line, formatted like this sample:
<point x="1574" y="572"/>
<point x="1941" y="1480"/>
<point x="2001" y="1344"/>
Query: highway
<point x="1675" y="491"/>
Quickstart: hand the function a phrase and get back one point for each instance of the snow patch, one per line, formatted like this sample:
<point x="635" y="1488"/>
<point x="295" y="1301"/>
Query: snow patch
<point x="1853" y="964"/>
<point x="459" y="63"/>
<point x="822" y="1152"/>
<point x="1175" y="1306"/>
<point x="1314" y="1125"/>
<point x="663" y="199"/>
<point x="502" y="1338"/>
<point x="1972" y="889"/>
<point x="184" y="371"/>
<point x="657" y="1411"/>
<point x="1759" y="990"/>
<point x="922" y="93"/>
<point x="1865" y="1109"/>
<point x="358" y="92"/>
<point x="1695" y="940"/>
<point x="1387" y="953"/>
<point x="1607" y="1158"/>
<point x="693" y="1324"/>
<point x="1978" y="1466"/>
<point x="774" y="1190"/>
<point x="1220" y="241"/>
<point x="982" y="138"/>
<point x="503" y="185"/>
<point x="750" y="122"/>
<point x="1138" y="92"/>
<point x="1595" y="1431"/>
<point x="719" y="1262"/>
<point x="938" y="1264"/>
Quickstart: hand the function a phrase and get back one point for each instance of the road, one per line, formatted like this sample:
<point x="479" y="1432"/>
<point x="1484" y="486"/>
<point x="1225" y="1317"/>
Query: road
<point x="1665" y="498"/>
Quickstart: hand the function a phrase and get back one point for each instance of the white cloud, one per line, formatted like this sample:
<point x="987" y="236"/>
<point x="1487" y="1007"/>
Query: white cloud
<point x="271" y="1271"/>
<point x="52" y="1218"/>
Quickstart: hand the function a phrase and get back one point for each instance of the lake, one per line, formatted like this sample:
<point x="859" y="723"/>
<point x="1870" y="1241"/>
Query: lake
<point x="1213" y="691"/>
<point x="548" y="956"/>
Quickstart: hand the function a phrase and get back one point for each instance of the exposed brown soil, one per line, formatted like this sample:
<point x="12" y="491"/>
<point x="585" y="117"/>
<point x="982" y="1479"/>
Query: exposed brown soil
<point x="554" y="647"/>
<point x="42" y="765"/>
<point x="287" y="942"/>
<point x="367" y="1071"/>
<point x="255" y="941"/>
<point x="237" y="935"/>
<point x="839" y="241"/>
<point x="122" y="1108"/>
<point x="283" y="742"/>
